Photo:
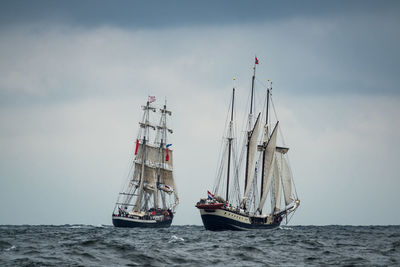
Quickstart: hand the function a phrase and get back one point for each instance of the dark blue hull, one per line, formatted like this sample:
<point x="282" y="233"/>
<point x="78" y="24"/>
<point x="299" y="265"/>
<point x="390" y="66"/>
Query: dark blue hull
<point x="220" y="223"/>
<point x="130" y="223"/>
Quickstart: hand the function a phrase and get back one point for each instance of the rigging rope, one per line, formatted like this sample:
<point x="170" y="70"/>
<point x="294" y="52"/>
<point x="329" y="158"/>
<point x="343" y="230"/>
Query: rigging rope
<point x="222" y="151"/>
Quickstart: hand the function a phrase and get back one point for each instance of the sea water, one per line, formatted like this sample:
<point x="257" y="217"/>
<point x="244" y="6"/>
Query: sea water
<point x="83" y="245"/>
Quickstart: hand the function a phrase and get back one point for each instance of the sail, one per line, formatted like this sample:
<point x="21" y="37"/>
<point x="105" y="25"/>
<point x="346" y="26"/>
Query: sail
<point x="276" y="194"/>
<point x="252" y="150"/>
<point x="150" y="172"/>
<point x="149" y="175"/>
<point x="156" y="157"/>
<point x="168" y="184"/>
<point x="146" y="174"/>
<point x="167" y="178"/>
<point x="268" y="165"/>
<point x="153" y="154"/>
<point x="286" y="181"/>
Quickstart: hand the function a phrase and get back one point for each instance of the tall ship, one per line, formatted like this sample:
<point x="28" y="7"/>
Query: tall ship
<point x="268" y="195"/>
<point x="149" y="197"/>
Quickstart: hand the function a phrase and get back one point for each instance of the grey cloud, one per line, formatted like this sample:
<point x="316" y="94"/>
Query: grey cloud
<point x="71" y="96"/>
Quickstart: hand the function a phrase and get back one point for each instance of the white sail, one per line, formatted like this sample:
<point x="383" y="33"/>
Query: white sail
<point x="141" y="176"/>
<point x="268" y="165"/>
<point x="286" y="182"/>
<point x="253" y="142"/>
<point x="156" y="157"/>
<point x="167" y="184"/>
<point x="153" y="154"/>
<point x="166" y="177"/>
<point x="155" y="163"/>
<point x="149" y="173"/>
<point x="277" y="184"/>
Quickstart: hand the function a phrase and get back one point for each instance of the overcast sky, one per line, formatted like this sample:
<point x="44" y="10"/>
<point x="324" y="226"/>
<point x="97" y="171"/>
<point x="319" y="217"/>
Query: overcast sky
<point x="73" y="75"/>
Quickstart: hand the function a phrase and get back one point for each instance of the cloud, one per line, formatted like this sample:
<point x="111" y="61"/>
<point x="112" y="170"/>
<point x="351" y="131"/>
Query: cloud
<point x="71" y="96"/>
<point x="335" y="54"/>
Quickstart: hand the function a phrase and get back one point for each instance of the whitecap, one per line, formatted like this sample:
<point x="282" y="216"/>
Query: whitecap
<point x="11" y="248"/>
<point x="174" y="238"/>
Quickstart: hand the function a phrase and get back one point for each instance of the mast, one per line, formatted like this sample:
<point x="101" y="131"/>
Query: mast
<point x="163" y="142"/>
<point x="165" y="176"/>
<point x="252" y="89"/>
<point x="230" y="145"/>
<point x="266" y="133"/>
<point x="250" y="119"/>
<point x="158" y="181"/>
<point x="139" y="199"/>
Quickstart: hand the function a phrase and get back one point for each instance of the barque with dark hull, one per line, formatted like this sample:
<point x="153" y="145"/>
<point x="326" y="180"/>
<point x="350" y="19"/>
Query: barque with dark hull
<point x="267" y="175"/>
<point x="121" y="221"/>
<point x="149" y="197"/>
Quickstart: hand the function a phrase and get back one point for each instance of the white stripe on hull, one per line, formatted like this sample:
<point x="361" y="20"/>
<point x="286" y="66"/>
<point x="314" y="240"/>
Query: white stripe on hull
<point x="134" y="220"/>
<point x="220" y="219"/>
<point x="227" y="214"/>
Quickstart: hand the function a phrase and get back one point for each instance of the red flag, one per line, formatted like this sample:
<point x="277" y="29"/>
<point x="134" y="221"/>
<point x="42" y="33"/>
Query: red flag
<point x="152" y="98"/>
<point x="256" y="61"/>
<point x="137" y="146"/>
<point x="167" y="156"/>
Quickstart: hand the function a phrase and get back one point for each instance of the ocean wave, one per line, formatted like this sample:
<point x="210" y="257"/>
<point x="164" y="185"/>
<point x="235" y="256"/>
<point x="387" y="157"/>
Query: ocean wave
<point x="90" y="245"/>
<point x="10" y="248"/>
<point x="174" y="238"/>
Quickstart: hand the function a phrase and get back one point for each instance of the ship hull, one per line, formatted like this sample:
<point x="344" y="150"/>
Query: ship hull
<point x="222" y="220"/>
<point x="133" y="223"/>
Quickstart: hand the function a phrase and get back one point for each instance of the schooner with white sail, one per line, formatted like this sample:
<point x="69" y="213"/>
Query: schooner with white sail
<point x="268" y="195"/>
<point x="149" y="197"/>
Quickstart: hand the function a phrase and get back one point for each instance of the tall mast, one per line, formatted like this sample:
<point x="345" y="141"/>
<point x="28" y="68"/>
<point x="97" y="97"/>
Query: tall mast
<point x="139" y="199"/>
<point x="164" y="175"/>
<point x="230" y="145"/>
<point x="265" y="143"/>
<point x="252" y="87"/>
<point x="250" y="119"/>
<point x="163" y="141"/>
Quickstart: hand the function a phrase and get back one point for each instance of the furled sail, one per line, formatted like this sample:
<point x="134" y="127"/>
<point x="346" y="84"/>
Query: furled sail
<point x="268" y="165"/>
<point x="252" y="143"/>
